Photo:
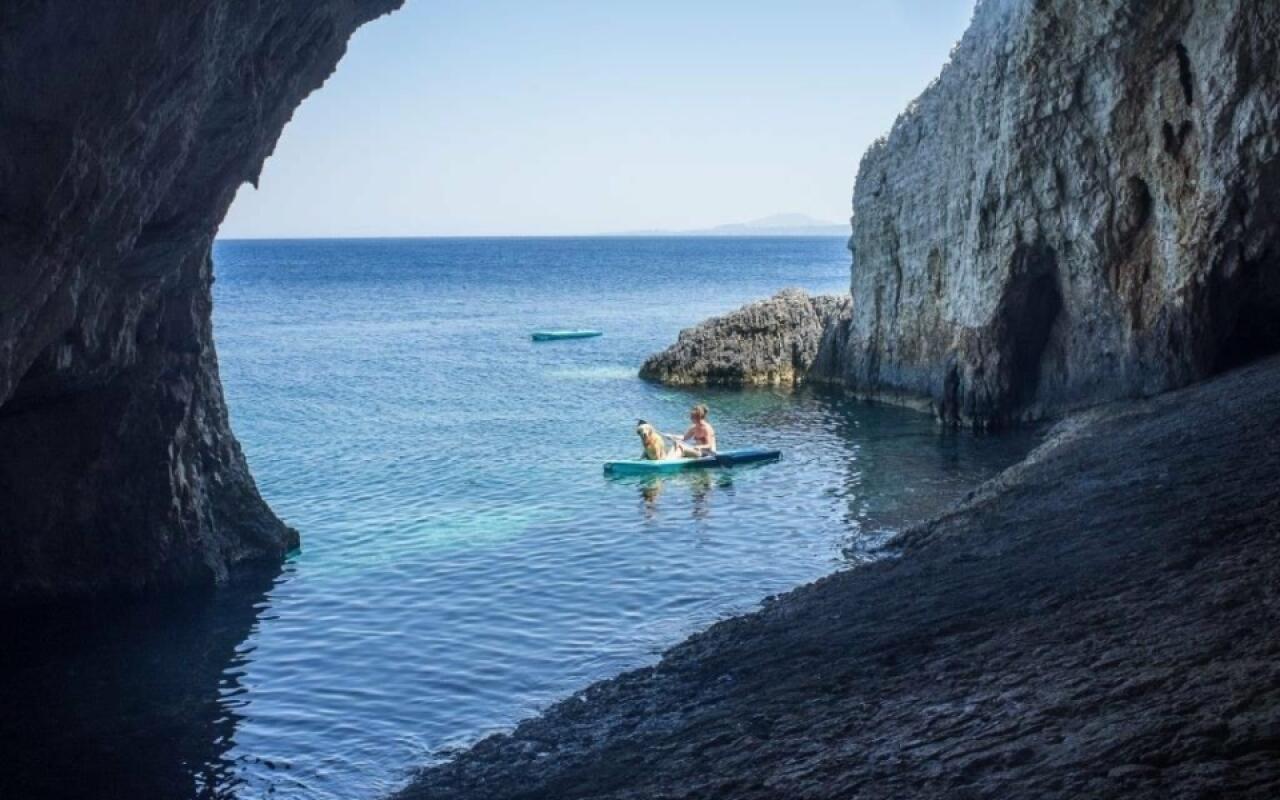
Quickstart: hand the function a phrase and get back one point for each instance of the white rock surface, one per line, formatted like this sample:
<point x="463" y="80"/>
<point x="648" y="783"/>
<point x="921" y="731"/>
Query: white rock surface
<point x="1084" y="206"/>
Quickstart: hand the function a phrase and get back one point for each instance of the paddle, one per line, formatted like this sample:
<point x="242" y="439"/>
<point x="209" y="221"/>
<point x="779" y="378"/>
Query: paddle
<point x="705" y="451"/>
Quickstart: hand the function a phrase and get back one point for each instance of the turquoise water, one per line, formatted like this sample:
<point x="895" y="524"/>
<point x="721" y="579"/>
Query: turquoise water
<point x="464" y="560"/>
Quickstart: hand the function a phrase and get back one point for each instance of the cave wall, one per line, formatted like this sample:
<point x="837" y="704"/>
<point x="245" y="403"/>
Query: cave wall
<point x="125" y="130"/>
<point x="1084" y="206"/>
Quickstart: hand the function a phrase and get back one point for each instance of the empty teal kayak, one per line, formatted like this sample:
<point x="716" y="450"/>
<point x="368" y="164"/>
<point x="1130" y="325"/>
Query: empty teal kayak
<point x="551" y="336"/>
<point x="725" y="458"/>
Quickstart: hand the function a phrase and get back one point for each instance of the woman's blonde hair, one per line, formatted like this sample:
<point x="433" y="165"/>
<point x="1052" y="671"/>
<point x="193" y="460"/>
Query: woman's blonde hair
<point x="700" y="411"/>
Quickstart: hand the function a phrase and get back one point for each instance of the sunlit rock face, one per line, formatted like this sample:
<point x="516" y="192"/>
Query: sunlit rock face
<point x="774" y="342"/>
<point x="126" y="129"/>
<point x="1084" y="206"/>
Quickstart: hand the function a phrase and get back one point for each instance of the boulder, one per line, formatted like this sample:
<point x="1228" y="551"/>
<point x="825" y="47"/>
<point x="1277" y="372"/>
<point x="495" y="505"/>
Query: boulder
<point x="775" y="342"/>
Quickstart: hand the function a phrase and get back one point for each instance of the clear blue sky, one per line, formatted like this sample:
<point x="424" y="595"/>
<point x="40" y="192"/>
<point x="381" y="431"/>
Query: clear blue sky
<point x="493" y="117"/>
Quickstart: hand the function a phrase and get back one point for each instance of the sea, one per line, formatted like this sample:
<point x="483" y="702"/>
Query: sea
<point x="465" y="562"/>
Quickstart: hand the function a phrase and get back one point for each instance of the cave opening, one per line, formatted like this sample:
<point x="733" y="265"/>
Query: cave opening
<point x="1254" y="332"/>
<point x="1032" y="306"/>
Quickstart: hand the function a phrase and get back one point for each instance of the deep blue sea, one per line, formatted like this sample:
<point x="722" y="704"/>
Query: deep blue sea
<point x="464" y="561"/>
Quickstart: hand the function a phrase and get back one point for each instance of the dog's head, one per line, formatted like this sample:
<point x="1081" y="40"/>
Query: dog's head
<point x="649" y="436"/>
<point x="645" y="430"/>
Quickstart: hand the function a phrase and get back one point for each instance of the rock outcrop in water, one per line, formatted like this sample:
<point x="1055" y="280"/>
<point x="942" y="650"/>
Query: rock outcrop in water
<point x="775" y="342"/>
<point x="126" y="133"/>
<point x="1084" y="206"/>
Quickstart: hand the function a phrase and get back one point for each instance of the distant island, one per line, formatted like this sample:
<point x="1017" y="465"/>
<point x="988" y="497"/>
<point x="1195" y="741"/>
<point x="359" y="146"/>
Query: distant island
<point x="775" y="225"/>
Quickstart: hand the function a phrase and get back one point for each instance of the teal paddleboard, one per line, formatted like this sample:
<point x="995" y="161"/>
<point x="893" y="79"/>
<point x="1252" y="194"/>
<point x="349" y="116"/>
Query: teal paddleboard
<point x="551" y="336"/>
<point x="725" y="458"/>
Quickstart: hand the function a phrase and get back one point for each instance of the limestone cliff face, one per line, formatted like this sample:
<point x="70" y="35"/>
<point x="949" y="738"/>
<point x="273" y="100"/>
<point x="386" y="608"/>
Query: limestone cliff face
<point x="125" y="130"/>
<point x="775" y="342"/>
<point x="1084" y="206"/>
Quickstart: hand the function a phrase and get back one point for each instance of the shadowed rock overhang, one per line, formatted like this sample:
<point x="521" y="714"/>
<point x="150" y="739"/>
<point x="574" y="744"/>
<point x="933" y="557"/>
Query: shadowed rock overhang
<point x="126" y="129"/>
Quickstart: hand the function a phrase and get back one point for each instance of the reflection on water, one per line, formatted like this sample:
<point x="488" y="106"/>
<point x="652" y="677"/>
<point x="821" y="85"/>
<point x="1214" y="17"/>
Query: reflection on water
<point x="130" y="700"/>
<point x="699" y="485"/>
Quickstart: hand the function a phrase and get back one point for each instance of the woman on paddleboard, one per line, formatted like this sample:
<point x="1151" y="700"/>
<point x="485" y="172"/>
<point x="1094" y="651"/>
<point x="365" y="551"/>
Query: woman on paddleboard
<point x="700" y="436"/>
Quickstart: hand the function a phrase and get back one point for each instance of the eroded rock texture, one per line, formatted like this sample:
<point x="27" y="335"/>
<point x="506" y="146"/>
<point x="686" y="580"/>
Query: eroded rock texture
<point x="1084" y="206"/>
<point x="775" y="342"/>
<point x="125" y="130"/>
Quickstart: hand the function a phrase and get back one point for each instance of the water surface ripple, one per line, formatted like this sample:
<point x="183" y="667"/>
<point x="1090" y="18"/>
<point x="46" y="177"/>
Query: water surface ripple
<point x="464" y="560"/>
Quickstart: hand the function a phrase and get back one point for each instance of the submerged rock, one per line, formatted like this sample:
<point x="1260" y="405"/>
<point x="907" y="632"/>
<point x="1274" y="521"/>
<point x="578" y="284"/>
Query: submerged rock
<point x="1084" y="206"/>
<point x="775" y="342"/>
<point x="126" y="135"/>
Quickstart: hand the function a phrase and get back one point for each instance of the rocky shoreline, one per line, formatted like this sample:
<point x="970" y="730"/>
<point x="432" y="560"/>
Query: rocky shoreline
<point x="1102" y="620"/>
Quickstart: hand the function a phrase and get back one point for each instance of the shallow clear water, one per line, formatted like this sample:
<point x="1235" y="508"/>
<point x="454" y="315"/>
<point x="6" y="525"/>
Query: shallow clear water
<point x="464" y="560"/>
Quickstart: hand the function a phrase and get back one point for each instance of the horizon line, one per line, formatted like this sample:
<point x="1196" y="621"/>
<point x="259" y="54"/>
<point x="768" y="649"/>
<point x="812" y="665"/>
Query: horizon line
<point x="371" y="237"/>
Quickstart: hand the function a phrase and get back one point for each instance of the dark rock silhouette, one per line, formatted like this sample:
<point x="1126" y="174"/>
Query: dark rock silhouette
<point x="127" y="131"/>
<point x="133" y="699"/>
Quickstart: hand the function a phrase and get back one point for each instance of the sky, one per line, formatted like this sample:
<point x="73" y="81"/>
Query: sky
<point x="564" y="117"/>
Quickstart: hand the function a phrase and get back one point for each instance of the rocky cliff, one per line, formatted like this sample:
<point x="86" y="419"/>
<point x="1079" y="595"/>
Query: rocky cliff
<point x="126" y="130"/>
<point x="774" y="342"/>
<point x="1084" y="206"/>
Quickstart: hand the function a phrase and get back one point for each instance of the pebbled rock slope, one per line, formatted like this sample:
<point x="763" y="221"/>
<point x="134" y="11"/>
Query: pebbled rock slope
<point x="770" y="343"/>
<point x="126" y="130"/>
<point x="1084" y="206"/>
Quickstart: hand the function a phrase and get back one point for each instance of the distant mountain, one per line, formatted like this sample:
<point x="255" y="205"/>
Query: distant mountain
<point x="775" y="225"/>
<point x="781" y="225"/>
